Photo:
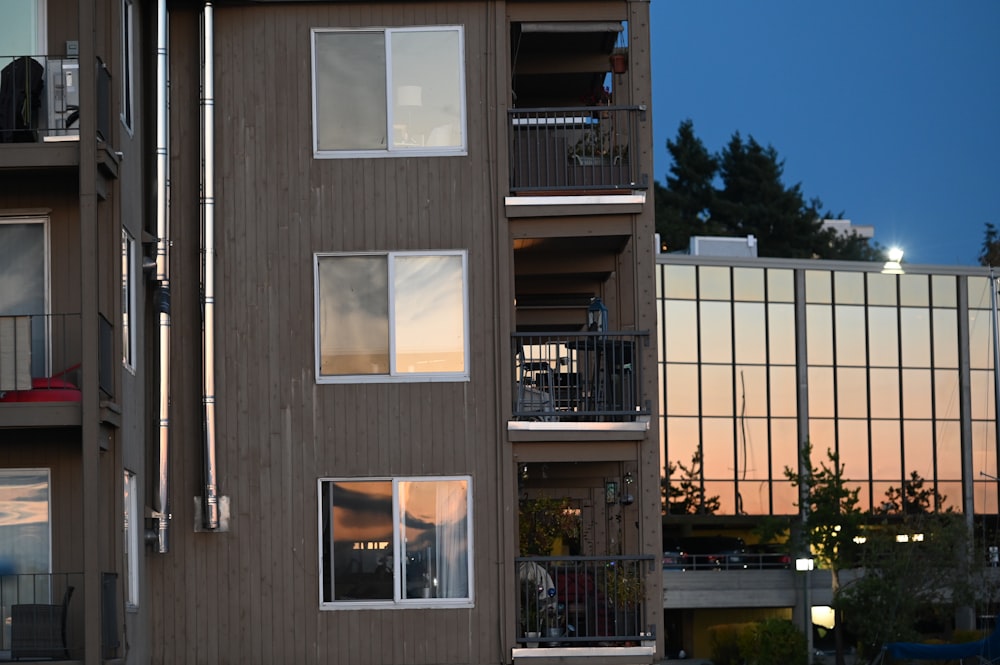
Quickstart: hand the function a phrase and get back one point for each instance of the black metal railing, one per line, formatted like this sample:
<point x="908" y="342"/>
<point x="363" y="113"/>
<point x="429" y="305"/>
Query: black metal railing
<point x="590" y="376"/>
<point x="583" y="600"/>
<point x="42" y="352"/>
<point x="40" y="98"/>
<point x="583" y="148"/>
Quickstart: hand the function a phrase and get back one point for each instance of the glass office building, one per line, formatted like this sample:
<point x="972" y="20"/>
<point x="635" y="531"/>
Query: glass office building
<point x="893" y="371"/>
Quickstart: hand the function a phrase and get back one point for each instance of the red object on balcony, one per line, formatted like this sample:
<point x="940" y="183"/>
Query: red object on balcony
<point x="44" y="390"/>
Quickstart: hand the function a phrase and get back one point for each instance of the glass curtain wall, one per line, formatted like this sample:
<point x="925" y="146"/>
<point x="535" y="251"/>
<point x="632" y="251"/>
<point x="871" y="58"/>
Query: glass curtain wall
<point x="883" y="370"/>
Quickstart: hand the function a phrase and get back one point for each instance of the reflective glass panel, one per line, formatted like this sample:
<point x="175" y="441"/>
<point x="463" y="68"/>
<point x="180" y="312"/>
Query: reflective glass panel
<point x="434" y="523"/>
<point x="918" y="446"/>
<point x="887" y="454"/>
<point x="979" y="292"/>
<point x="680" y="330"/>
<point x="884" y="393"/>
<point x="915" y="337"/>
<point x="917" y="393"/>
<point x="427" y="97"/>
<point x="726" y="492"/>
<point x="951" y="494"/>
<point x="945" y="332"/>
<point x="819" y="334"/>
<point x="354" y="315"/>
<point x="943" y="288"/>
<point x="25" y="535"/>
<point x="748" y="284"/>
<point x="354" y="61"/>
<point x="754" y="497"/>
<point x="981" y="397"/>
<point x="429" y="321"/>
<point x="780" y="285"/>
<point x="852" y="444"/>
<point x="852" y="392"/>
<point x="849" y="288"/>
<point x="851" y="343"/>
<point x="781" y="333"/>
<point x="784" y="446"/>
<point x="751" y="390"/>
<point x="23" y="261"/>
<point x="717" y="435"/>
<point x="679" y="282"/>
<point x="913" y="291"/>
<point x="946" y="394"/>
<point x="784" y="496"/>
<point x="783" y="391"/>
<point x="883" y="338"/>
<point x="360" y="534"/>
<point x="881" y="289"/>
<point x="750" y="333"/>
<point x="681" y="398"/>
<point x="949" y="449"/>
<point x="818" y="286"/>
<point x="682" y="440"/>
<point x="980" y="339"/>
<point x="716" y="332"/>
<point x="821" y="392"/>
<point x="822" y="437"/>
<point x="751" y="451"/>
<point x="984" y="446"/>
<point x="985" y="496"/>
<point x="713" y="283"/>
<point x="717" y="390"/>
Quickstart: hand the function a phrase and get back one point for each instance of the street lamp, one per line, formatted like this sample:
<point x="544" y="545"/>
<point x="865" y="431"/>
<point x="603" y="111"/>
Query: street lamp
<point x="805" y="565"/>
<point x="892" y="266"/>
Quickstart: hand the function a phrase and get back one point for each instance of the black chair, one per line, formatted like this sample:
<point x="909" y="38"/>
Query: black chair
<point x="39" y="630"/>
<point x="20" y="100"/>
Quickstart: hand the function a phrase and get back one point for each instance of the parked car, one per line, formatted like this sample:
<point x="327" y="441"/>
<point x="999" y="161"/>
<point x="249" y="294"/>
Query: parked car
<point x="673" y="555"/>
<point x="768" y="555"/>
<point x="713" y="553"/>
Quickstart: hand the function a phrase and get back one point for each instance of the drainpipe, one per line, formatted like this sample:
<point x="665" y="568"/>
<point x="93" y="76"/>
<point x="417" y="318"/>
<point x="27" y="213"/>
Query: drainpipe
<point x="161" y="510"/>
<point x="211" y="512"/>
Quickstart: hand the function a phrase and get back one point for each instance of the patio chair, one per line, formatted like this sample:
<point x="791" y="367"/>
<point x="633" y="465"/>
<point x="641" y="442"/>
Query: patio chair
<point x="39" y="630"/>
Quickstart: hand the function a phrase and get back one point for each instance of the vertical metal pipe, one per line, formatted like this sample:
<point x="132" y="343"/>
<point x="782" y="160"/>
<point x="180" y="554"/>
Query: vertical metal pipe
<point x="211" y="513"/>
<point x="162" y="508"/>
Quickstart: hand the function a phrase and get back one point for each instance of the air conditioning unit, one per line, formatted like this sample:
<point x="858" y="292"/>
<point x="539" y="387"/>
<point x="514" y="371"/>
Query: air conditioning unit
<point x="62" y="98"/>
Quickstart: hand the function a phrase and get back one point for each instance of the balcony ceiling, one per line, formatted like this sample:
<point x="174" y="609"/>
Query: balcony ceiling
<point x="560" y="63"/>
<point x="555" y="278"/>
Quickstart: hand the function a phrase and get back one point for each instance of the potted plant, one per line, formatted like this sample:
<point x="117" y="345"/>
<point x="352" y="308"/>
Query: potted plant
<point x="531" y="612"/>
<point x="542" y="522"/>
<point x="624" y="583"/>
<point x="597" y="146"/>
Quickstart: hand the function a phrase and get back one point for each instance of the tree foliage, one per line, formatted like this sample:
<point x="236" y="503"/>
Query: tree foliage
<point x="687" y="497"/>
<point x="989" y="255"/>
<point x="739" y="192"/>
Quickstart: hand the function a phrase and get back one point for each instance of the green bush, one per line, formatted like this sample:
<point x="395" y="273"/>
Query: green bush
<point x="725" y="641"/>
<point x="773" y="642"/>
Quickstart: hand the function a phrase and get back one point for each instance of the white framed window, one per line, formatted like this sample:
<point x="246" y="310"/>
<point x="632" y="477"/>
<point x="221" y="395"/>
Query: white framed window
<point x="128" y="56"/>
<point x="24" y="283"/>
<point x="128" y="301"/>
<point x="395" y="542"/>
<point x="131" y="527"/>
<point x="25" y="531"/>
<point x="391" y="316"/>
<point x="388" y="92"/>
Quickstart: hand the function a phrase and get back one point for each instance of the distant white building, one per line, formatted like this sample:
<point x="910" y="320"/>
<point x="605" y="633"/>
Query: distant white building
<point x="844" y="227"/>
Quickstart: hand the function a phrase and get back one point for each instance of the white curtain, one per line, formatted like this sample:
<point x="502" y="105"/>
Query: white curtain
<point x="452" y="558"/>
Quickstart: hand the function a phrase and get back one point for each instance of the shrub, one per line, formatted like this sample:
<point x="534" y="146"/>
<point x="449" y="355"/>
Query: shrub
<point x="773" y="642"/>
<point x="725" y="641"/>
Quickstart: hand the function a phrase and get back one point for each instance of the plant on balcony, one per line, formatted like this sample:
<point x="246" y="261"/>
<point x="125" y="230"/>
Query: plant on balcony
<point x="542" y="522"/>
<point x="624" y="584"/>
<point x="597" y="146"/>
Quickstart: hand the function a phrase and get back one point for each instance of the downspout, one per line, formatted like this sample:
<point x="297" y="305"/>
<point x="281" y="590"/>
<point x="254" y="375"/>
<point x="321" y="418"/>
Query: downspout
<point x="161" y="508"/>
<point x="211" y="513"/>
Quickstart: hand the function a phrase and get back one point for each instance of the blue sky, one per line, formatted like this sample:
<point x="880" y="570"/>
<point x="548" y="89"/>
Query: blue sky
<point x="887" y="111"/>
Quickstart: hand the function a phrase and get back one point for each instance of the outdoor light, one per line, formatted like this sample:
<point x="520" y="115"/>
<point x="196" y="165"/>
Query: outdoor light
<point x="893" y="265"/>
<point x="902" y="538"/>
<point x="804" y="565"/>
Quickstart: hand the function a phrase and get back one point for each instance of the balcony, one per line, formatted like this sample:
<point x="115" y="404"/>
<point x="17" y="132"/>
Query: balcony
<point x="40" y="358"/>
<point x="582" y="605"/>
<point x="575" y="150"/>
<point x="40" y="112"/>
<point x="43" y="617"/>
<point x="576" y="380"/>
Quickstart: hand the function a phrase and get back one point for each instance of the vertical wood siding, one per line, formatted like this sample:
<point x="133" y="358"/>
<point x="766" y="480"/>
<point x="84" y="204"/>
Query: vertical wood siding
<point x="252" y="595"/>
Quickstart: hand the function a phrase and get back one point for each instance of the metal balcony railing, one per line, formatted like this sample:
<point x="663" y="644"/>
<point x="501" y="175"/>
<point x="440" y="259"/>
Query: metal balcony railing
<point x="583" y="148"/>
<point x="583" y="600"/>
<point x="589" y="376"/>
<point x="39" y="352"/>
<point x="40" y="99"/>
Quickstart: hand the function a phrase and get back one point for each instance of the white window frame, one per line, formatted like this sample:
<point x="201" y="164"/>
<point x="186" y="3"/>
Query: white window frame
<point x="128" y="301"/>
<point x="44" y="366"/>
<point x="389" y="150"/>
<point x="397" y="602"/>
<point x="132" y="524"/>
<point x="128" y="69"/>
<point x="391" y="377"/>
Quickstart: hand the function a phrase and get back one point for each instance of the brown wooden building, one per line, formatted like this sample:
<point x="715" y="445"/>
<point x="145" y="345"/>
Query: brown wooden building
<point x="344" y="301"/>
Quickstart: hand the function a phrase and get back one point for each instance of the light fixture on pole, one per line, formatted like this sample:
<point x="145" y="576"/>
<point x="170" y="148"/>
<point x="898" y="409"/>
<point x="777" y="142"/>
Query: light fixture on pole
<point x="805" y="565"/>
<point x="894" y="265"/>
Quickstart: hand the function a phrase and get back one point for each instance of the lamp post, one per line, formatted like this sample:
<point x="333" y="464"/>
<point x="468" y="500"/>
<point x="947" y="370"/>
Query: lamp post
<point x="805" y="565"/>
